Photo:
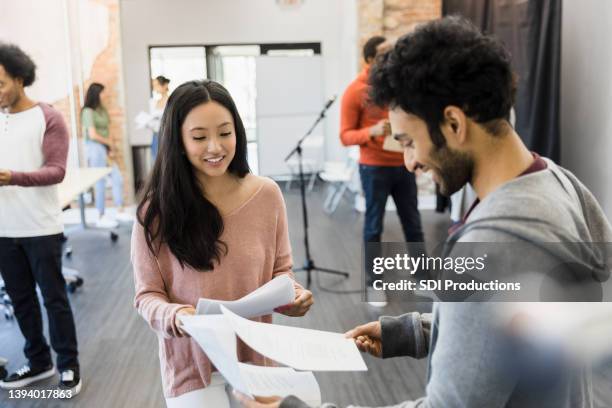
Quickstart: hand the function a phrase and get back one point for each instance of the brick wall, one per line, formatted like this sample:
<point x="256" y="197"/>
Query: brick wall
<point x="393" y="18"/>
<point x="106" y="70"/>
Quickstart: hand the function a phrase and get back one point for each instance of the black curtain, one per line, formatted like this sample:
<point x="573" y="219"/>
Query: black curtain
<point x="531" y="30"/>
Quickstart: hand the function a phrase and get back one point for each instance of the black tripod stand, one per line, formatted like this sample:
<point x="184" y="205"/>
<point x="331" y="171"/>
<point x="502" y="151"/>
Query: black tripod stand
<point x="309" y="264"/>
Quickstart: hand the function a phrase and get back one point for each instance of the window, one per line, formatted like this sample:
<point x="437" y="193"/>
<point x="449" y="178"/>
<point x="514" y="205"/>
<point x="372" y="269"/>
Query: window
<point x="179" y="64"/>
<point x="234" y="66"/>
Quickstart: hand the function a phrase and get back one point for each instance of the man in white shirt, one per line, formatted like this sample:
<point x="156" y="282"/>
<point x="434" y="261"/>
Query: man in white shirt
<point x="31" y="228"/>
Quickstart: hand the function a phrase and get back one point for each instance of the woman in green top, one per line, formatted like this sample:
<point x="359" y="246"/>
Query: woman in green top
<point x="100" y="151"/>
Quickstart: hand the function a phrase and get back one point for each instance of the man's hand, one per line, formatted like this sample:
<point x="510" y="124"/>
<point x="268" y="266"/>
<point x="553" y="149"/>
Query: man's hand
<point x="301" y="305"/>
<point x="5" y="177"/>
<point x="259" y="402"/>
<point x="179" y="325"/>
<point x="368" y="338"/>
<point x="382" y="128"/>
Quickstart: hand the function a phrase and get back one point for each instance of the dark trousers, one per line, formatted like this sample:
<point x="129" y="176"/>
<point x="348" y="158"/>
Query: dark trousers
<point x="24" y="263"/>
<point x="378" y="183"/>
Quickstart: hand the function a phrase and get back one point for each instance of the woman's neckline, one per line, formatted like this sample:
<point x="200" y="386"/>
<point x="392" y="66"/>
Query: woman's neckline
<point x="246" y="202"/>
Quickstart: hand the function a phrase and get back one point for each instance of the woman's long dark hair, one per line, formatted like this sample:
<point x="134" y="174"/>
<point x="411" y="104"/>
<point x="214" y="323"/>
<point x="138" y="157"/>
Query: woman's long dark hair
<point x="173" y="209"/>
<point x="92" y="97"/>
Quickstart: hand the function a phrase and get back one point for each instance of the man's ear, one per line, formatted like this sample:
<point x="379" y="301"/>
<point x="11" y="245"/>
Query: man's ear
<point x="455" y="125"/>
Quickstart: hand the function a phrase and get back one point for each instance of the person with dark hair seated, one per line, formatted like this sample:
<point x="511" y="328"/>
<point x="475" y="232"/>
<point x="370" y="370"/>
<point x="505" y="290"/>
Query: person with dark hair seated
<point x="450" y="90"/>
<point x="207" y="227"/>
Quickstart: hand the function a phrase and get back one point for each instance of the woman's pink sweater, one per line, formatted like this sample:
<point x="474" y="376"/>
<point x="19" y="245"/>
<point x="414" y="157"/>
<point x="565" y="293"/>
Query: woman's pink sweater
<point x="257" y="238"/>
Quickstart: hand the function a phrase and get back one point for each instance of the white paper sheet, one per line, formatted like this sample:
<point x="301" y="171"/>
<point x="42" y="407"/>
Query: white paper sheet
<point x="142" y="119"/>
<point x="281" y="382"/>
<point x="302" y="349"/>
<point x="262" y="301"/>
<point x="214" y="334"/>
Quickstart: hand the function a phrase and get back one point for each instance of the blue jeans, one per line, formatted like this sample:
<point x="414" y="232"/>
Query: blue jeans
<point x="378" y="183"/>
<point x="97" y="157"/>
<point x="37" y="261"/>
<point x="154" y="146"/>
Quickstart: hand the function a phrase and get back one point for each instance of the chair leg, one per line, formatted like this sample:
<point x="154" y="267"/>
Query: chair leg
<point x="338" y="197"/>
<point x="330" y="196"/>
<point x="313" y="179"/>
<point x="288" y="183"/>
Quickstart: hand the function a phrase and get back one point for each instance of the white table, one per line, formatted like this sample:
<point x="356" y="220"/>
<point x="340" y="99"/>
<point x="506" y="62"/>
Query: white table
<point x="76" y="182"/>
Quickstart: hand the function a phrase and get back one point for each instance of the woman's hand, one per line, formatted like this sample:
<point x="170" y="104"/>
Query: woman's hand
<point x="188" y="310"/>
<point x="301" y="304"/>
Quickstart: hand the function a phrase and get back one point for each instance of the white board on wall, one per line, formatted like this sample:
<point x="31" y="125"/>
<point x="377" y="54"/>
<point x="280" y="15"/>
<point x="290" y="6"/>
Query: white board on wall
<point x="289" y="99"/>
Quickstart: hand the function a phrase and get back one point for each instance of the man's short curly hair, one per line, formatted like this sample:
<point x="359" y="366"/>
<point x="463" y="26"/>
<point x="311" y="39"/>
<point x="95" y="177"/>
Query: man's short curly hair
<point x="17" y="63"/>
<point x="369" y="48"/>
<point x="441" y="63"/>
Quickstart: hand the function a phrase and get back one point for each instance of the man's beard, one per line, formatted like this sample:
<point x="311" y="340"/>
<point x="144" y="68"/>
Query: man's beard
<point x="454" y="169"/>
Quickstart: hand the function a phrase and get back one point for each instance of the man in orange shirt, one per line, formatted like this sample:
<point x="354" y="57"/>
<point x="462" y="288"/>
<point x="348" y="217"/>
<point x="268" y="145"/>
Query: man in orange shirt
<point x="382" y="172"/>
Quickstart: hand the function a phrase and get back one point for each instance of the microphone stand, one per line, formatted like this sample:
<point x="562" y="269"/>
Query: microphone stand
<point x="309" y="263"/>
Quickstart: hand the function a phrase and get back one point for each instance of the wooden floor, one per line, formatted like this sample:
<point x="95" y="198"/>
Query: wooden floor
<point x="118" y="352"/>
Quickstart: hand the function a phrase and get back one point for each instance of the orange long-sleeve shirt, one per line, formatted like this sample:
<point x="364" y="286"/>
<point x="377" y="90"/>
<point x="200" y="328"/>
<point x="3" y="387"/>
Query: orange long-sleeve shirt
<point x="357" y="116"/>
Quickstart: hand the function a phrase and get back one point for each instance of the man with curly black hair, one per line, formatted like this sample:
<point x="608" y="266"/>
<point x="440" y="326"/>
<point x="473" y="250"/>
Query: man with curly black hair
<point x="450" y="90"/>
<point x="32" y="163"/>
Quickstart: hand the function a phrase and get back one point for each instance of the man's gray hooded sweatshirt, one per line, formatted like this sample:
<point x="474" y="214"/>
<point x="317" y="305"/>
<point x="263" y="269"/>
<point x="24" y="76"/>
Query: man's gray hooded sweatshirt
<point x="468" y="362"/>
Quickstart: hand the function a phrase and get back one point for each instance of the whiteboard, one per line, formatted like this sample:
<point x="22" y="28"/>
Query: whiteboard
<point x="289" y="99"/>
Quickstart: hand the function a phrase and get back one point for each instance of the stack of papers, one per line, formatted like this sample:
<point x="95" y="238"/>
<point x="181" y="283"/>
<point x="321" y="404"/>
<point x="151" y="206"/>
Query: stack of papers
<point x="218" y="341"/>
<point x="296" y="348"/>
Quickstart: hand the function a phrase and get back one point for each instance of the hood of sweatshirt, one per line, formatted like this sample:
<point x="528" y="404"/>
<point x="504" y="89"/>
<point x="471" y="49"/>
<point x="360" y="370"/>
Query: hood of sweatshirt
<point x="551" y="214"/>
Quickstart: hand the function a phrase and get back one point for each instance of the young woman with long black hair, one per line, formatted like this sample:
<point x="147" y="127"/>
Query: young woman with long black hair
<point x="206" y="227"/>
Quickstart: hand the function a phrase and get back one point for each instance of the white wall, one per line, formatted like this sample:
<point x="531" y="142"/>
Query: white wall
<point x="186" y="22"/>
<point x="45" y="21"/>
<point x="586" y="95"/>
<point x="55" y="45"/>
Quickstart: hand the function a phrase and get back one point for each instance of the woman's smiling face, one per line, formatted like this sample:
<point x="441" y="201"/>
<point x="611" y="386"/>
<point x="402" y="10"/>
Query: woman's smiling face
<point x="209" y="139"/>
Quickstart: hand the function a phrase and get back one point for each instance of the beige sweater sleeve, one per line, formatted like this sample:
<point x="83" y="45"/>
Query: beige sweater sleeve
<point x="151" y="299"/>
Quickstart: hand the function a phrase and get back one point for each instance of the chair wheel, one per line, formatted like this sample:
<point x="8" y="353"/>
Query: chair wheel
<point x="68" y="253"/>
<point x="114" y="237"/>
<point x="79" y="282"/>
<point x="71" y="287"/>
